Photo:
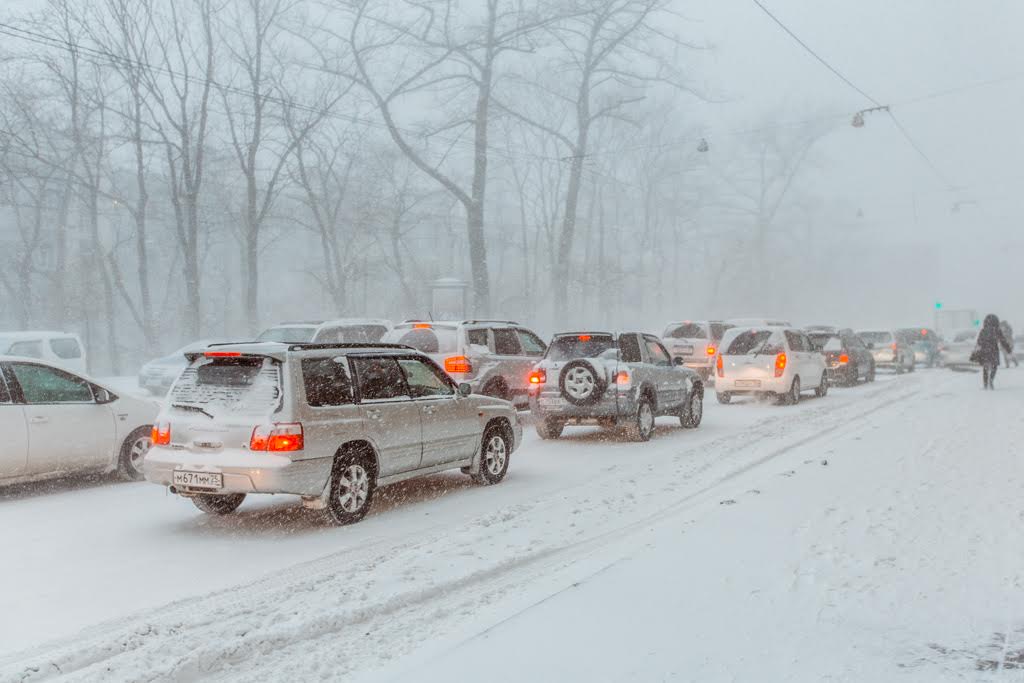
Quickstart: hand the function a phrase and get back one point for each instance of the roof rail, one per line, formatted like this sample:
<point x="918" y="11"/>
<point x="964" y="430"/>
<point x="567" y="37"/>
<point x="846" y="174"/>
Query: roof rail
<point x="474" y="322"/>
<point x="237" y="343"/>
<point x="302" y="322"/>
<point x="348" y="345"/>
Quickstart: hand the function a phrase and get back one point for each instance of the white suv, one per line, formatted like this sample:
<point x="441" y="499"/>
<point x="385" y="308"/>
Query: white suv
<point x="779" y="362"/>
<point x="59" y="348"/>
<point x="696" y="343"/>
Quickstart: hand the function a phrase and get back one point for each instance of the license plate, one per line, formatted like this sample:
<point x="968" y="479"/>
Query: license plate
<point x="748" y="382"/>
<point x="552" y="402"/>
<point x="199" y="480"/>
<point x="688" y="350"/>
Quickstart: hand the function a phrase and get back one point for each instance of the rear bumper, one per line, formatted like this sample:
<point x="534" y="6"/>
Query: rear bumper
<point x="751" y="385"/>
<point x="612" y="404"/>
<point x="243" y="471"/>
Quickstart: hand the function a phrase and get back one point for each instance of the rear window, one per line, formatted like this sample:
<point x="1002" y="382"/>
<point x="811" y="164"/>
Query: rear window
<point x="353" y="334"/>
<point x="289" y="335"/>
<point x="686" y="331"/>
<point x="875" y="337"/>
<point x="428" y="339"/>
<point x="580" y="346"/>
<point x="66" y="348"/>
<point x="719" y="329"/>
<point x="224" y="386"/>
<point x="822" y="340"/>
<point x="748" y="342"/>
<point x="833" y="344"/>
<point x="27" y="349"/>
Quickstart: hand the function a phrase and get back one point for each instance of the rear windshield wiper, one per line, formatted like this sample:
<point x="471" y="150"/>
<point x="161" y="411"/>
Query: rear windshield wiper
<point x="197" y="409"/>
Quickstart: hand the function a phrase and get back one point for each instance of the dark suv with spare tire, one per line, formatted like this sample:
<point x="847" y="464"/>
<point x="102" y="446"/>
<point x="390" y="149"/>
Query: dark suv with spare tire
<point x="621" y="380"/>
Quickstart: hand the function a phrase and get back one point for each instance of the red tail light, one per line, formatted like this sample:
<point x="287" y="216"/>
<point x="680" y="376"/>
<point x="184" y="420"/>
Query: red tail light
<point x="780" y="364"/>
<point x="894" y="346"/>
<point x="843" y="359"/>
<point x="222" y="354"/>
<point x="421" y="326"/>
<point x="584" y="337"/>
<point x="721" y="367"/>
<point x="457" y="364"/>
<point x="538" y="377"/>
<point x="161" y="434"/>
<point x="277" y="438"/>
<point x="711" y="350"/>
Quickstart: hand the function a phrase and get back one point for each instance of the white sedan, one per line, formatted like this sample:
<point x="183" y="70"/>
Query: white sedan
<point x="54" y="423"/>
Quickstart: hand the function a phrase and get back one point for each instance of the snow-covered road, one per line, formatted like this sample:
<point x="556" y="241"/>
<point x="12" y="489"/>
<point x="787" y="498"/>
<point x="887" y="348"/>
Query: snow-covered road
<point x="728" y="553"/>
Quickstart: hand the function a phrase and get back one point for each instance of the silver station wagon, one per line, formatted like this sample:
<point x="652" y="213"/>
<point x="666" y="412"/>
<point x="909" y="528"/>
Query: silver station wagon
<point x="328" y="422"/>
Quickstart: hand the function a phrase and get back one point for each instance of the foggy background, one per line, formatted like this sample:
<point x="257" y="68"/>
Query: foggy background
<point x="723" y="179"/>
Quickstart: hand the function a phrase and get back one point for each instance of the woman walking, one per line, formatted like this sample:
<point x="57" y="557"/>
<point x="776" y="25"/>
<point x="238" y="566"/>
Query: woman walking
<point x="990" y="339"/>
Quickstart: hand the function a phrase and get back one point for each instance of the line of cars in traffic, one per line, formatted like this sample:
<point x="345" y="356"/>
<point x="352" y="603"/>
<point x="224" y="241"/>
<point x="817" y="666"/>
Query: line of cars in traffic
<point x="331" y="410"/>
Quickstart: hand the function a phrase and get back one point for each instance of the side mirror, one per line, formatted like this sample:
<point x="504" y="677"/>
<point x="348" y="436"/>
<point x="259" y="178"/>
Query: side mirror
<point x="103" y="396"/>
<point x="678" y="360"/>
<point x="465" y="389"/>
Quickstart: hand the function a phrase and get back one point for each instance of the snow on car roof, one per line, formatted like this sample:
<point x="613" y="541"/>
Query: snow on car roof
<point x="34" y="334"/>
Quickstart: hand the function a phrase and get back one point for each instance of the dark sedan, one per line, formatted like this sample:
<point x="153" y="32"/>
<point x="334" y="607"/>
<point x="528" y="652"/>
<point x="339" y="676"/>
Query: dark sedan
<point x="847" y="359"/>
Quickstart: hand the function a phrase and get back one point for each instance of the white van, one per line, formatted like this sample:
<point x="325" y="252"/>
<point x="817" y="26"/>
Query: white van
<point x="59" y="348"/>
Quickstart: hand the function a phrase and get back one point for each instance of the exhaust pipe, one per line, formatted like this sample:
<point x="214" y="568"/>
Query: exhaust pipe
<point x="173" y="489"/>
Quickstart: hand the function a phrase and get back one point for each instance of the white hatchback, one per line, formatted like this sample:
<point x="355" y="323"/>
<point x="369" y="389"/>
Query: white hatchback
<point x="779" y="362"/>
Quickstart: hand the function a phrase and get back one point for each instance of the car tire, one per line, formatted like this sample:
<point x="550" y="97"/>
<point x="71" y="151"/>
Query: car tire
<point x="353" y="483"/>
<point x="791" y="397"/>
<point x="497" y="389"/>
<point x="821" y="391"/>
<point x="693" y="409"/>
<point x="871" y="373"/>
<point x="133" y="452"/>
<point x="213" y="504"/>
<point x="641" y="426"/>
<point x="913" y="365"/>
<point x="495" y="450"/>
<point x="576" y="377"/>
<point x="549" y="428"/>
<point x="724" y="397"/>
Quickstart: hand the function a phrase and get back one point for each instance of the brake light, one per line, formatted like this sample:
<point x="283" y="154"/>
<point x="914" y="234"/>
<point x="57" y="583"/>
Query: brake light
<point x="720" y="366"/>
<point x="780" y="364"/>
<point x="538" y="377"/>
<point x="277" y="438"/>
<point x="222" y="354"/>
<point x="844" y="359"/>
<point x="421" y="326"/>
<point x="622" y="379"/>
<point x="894" y="346"/>
<point x="161" y="434"/>
<point x="457" y="364"/>
<point x="711" y="350"/>
<point x="924" y="333"/>
<point x="584" y="337"/>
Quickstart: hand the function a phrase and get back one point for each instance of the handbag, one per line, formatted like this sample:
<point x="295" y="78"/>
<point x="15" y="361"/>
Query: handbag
<point x="976" y="354"/>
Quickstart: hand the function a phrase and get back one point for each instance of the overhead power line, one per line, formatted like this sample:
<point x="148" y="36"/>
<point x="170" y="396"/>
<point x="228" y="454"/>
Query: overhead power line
<point x="899" y="126"/>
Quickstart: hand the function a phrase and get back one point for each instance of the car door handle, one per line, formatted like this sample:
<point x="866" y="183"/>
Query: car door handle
<point x="373" y="414"/>
<point x="429" y="410"/>
<point x="39" y="420"/>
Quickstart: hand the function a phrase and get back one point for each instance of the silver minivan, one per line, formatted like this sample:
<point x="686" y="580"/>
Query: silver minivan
<point x="328" y="422"/>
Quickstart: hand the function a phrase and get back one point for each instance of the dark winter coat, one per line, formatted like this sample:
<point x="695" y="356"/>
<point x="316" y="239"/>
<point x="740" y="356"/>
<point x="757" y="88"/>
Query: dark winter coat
<point x="989" y="340"/>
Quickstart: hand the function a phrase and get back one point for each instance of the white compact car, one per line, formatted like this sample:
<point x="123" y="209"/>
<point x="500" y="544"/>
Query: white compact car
<point x="55" y="423"/>
<point x="779" y="362"/>
<point x="956" y="355"/>
<point x="59" y="348"/>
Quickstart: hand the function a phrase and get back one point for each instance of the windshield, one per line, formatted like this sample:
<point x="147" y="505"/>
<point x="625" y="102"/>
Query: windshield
<point x="875" y="337"/>
<point x="686" y="331"/>
<point x="748" y="342"/>
<point x="224" y="386"/>
<point x="289" y="334"/>
<point x="580" y="346"/>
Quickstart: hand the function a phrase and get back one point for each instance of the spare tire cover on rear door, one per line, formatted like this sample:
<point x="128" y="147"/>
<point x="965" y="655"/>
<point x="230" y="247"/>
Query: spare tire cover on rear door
<point x="581" y="382"/>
